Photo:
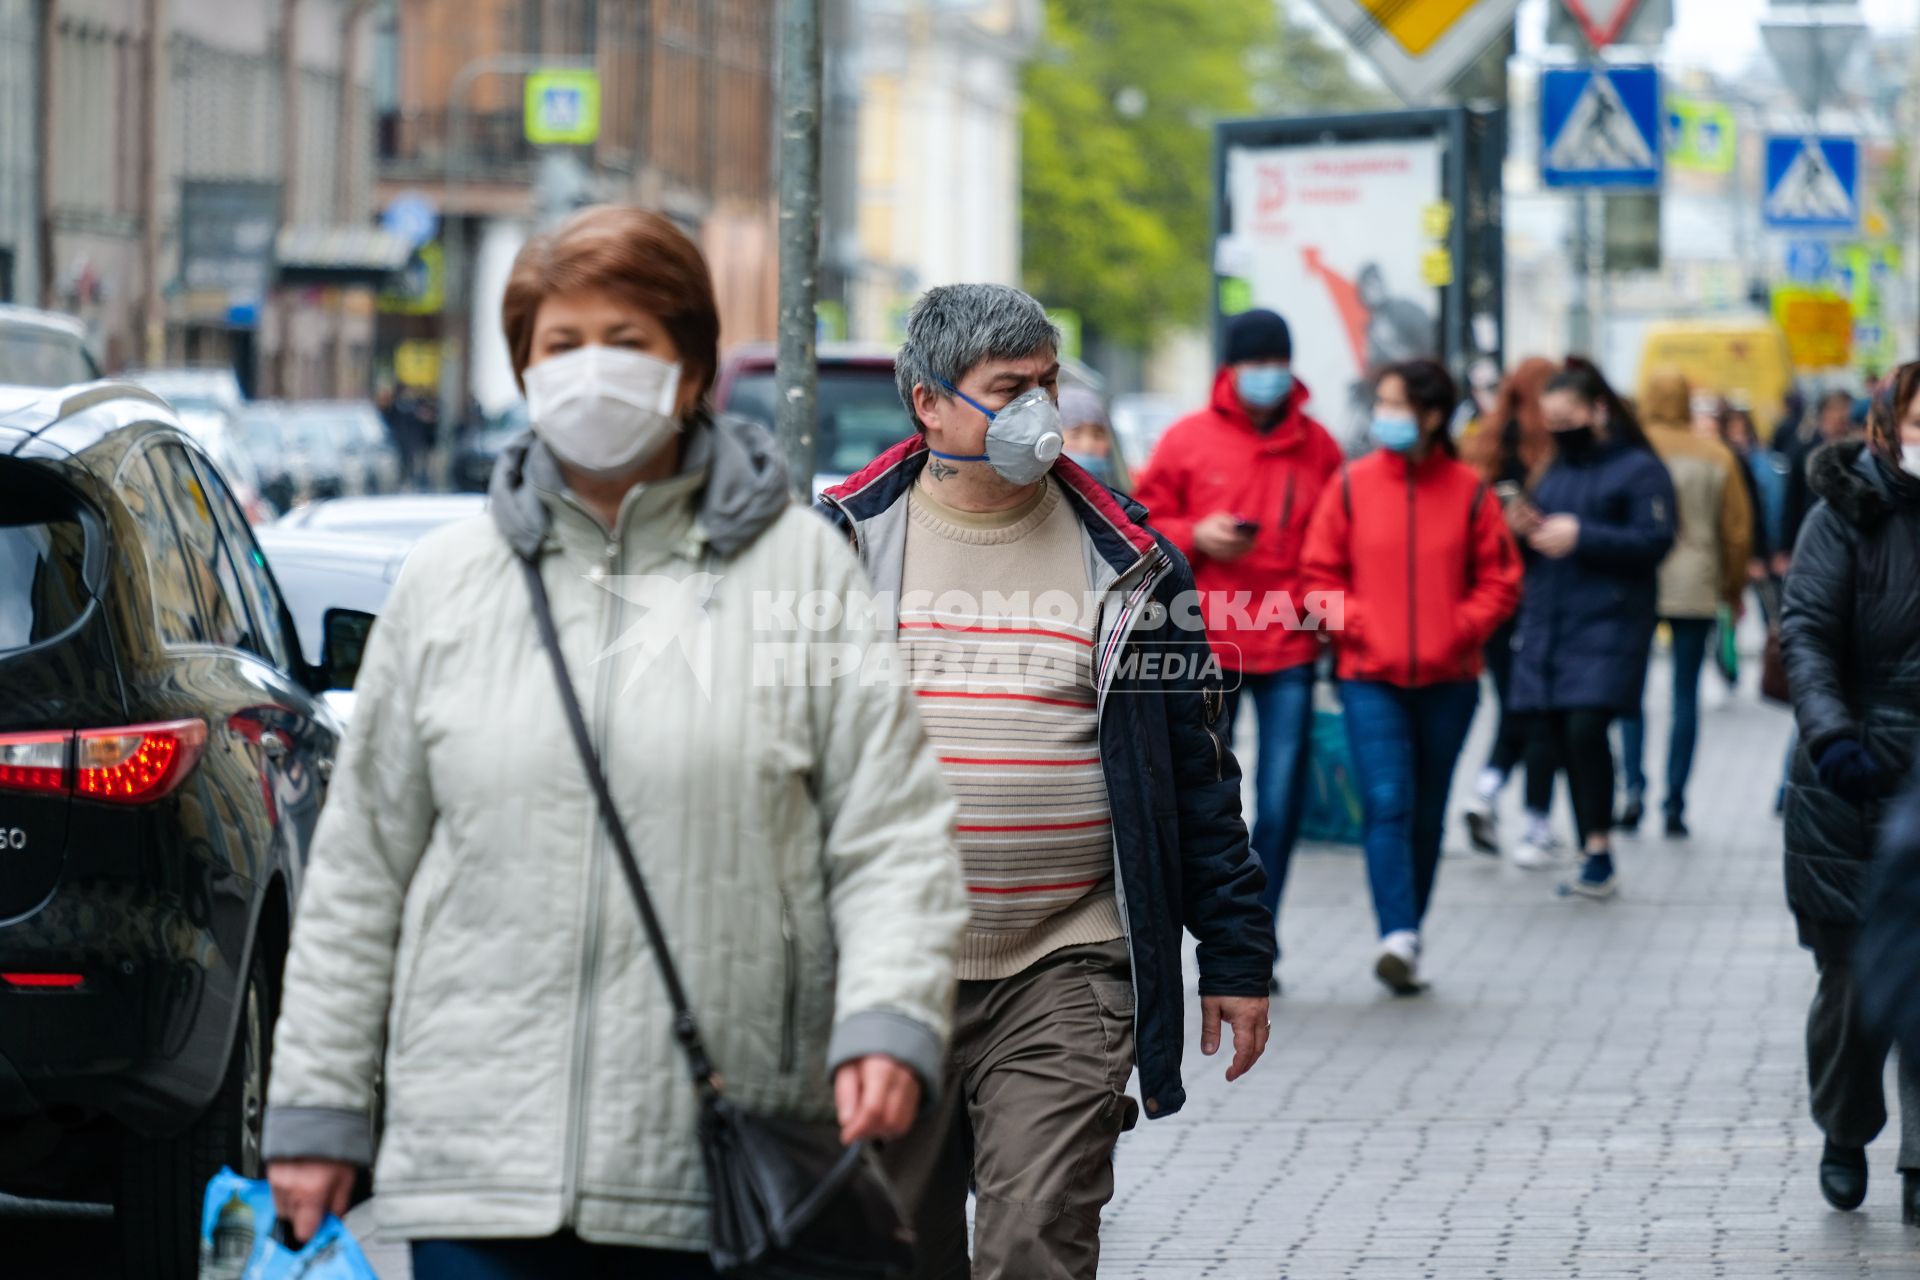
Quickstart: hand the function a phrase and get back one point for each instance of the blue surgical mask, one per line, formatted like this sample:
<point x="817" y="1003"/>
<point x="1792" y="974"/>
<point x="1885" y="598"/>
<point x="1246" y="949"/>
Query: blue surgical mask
<point x="1398" y="432"/>
<point x="1263" y="385"/>
<point x="1099" y="466"/>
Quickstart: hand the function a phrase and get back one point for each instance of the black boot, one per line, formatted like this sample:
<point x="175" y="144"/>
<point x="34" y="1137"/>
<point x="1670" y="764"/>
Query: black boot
<point x="1910" y="1197"/>
<point x="1843" y="1176"/>
<point x="1628" y="819"/>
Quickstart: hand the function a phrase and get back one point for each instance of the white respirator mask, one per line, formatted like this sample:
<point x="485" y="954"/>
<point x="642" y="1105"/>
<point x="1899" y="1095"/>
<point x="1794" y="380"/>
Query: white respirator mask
<point x="604" y="410"/>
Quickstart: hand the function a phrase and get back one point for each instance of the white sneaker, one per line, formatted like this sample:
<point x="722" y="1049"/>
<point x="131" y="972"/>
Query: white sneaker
<point x="1398" y="964"/>
<point x="1534" y="853"/>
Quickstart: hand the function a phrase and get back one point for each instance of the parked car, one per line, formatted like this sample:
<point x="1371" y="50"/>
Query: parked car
<point x="163" y="759"/>
<point x="353" y="437"/>
<point x="474" y="458"/>
<point x="220" y="437"/>
<point x="43" y="349"/>
<point x="320" y="571"/>
<point x="210" y="388"/>
<point x="298" y="461"/>
<point x="859" y="411"/>
<point x="405" y="516"/>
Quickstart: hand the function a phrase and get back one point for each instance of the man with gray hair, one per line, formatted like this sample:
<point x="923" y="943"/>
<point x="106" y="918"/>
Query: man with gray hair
<point x="1099" y="808"/>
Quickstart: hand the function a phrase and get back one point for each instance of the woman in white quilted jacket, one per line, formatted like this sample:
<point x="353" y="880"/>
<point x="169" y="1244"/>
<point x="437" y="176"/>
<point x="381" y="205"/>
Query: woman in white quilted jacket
<point x="464" y="933"/>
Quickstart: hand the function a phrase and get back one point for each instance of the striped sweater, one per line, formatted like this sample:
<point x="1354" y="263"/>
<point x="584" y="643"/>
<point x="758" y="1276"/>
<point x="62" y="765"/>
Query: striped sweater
<point x="998" y="634"/>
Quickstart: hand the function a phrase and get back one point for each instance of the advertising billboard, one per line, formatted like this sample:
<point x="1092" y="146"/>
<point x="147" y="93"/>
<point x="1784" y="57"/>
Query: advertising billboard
<point x="1336" y="237"/>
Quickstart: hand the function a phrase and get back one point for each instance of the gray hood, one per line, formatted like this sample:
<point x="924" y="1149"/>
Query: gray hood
<point x="745" y="491"/>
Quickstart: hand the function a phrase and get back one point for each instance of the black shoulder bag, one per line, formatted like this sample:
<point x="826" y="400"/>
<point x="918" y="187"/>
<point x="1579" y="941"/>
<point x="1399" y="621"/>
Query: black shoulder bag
<point x="789" y="1202"/>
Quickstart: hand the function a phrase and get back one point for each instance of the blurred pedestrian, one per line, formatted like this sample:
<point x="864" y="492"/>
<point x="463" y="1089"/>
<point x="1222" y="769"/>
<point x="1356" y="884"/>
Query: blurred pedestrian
<point x="1233" y="486"/>
<point x="1089" y="437"/>
<point x="1766" y="486"/>
<point x="1850" y="635"/>
<point x="1705" y="571"/>
<point x="1594" y="531"/>
<point x="1416" y="546"/>
<point x="1834" y="421"/>
<point x="1512" y="454"/>
<point x="538" y="1115"/>
<point x="1099" y="811"/>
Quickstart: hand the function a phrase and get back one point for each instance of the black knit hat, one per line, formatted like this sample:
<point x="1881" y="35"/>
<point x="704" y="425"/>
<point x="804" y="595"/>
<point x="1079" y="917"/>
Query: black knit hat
<point x="1258" y="335"/>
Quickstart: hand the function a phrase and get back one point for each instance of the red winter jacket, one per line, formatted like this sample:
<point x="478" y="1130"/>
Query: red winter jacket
<point x="1217" y="460"/>
<point x="1428" y="568"/>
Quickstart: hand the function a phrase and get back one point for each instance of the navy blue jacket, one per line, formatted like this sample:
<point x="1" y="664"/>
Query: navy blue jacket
<point x="1180" y="846"/>
<point x="1586" y="620"/>
<point x="1887" y="964"/>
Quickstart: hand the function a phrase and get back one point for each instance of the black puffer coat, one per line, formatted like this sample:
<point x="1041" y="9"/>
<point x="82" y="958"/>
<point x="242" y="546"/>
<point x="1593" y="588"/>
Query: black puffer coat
<point x="1850" y="634"/>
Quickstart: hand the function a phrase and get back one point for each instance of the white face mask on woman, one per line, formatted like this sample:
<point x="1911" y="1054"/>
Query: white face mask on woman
<point x="602" y="409"/>
<point x="1910" y="459"/>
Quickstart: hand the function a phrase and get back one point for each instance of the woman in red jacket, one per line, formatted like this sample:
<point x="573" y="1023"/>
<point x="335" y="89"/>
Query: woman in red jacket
<point x="1416" y="544"/>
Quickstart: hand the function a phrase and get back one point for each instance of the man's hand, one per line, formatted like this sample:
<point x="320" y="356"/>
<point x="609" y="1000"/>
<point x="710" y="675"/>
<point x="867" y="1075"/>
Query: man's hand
<point x="876" y="1096"/>
<point x="1219" y="538"/>
<point x="1556" y="536"/>
<point x="306" y="1191"/>
<point x="1247" y="1015"/>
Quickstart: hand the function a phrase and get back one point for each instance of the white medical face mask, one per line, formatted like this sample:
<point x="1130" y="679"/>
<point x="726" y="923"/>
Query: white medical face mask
<point x="604" y="410"/>
<point x="1910" y="459"/>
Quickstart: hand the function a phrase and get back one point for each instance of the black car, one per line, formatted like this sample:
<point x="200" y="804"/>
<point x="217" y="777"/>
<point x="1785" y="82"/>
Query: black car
<point x="163" y="758"/>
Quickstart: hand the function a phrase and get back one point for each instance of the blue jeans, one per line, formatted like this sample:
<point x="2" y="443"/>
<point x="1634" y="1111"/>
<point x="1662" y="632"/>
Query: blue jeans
<point x="1405" y="744"/>
<point x="1283" y="716"/>
<point x="562" y="1257"/>
<point x="1690" y="639"/>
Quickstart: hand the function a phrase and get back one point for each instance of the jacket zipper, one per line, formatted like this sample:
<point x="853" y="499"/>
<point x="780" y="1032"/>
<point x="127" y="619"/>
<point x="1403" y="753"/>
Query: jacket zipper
<point x="1286" y="511"/>
<point x="1413" y="612"/>
<point x="1214" y="702"/>
<point x="590" y="944"/>
<point x="789" y="1004"/>
<point x="1099" y="721"/>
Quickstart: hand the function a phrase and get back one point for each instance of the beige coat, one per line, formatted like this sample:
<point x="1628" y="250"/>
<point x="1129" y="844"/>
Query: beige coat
<point x="1714" y="528"/>
<point x="465" y="925"/>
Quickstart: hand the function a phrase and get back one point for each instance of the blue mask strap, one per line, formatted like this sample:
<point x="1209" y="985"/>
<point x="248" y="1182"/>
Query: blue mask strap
<point x="969" y="399"/>
<point x="963" y="457"/>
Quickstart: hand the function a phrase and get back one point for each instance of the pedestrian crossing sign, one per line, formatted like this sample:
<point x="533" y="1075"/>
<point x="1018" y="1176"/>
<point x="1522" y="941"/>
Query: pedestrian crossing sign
<point x="1813" y="183"/>
<point x="1600" y="127"/>
<point x="563" y="108"/>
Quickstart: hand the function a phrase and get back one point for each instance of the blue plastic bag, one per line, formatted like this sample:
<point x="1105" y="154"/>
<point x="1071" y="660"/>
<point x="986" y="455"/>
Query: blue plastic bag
<point x="1332" y="812"/>
<point x="236" y="1239"/>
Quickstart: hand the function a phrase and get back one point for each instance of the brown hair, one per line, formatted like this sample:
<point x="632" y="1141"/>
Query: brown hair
<point x="636" y="254"/>
<point x="1889" y="405"/>
<point x="1514" y="437"/>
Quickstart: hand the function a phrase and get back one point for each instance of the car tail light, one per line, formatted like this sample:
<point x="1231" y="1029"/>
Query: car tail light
<point x="129" y="765"/>
<point x="34" y="761"/>
<point x="139" y="763"/>
<point x="45" y="981"/>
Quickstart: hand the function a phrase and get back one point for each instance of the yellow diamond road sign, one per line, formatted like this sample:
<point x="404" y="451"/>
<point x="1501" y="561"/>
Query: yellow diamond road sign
<point x="1420" y="46"/>
<point x="563" y="108"/>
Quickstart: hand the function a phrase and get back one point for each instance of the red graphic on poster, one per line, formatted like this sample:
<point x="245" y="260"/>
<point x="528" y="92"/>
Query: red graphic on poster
<point x="1354" y="314"/>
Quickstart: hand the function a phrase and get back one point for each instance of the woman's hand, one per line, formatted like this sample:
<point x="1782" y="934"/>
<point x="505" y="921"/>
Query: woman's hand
<point x="1556" y="536"/>
<point x="306" y="1191"/>
<point x="877" y="1097"/>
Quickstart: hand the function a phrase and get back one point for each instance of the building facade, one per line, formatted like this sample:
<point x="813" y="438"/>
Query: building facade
<point x="686" y="126"/>
<point x="185" y="146"/>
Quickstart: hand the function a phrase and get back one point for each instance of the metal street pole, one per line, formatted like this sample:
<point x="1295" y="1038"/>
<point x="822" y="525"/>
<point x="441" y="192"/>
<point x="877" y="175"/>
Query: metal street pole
<point x="796" y="372"/>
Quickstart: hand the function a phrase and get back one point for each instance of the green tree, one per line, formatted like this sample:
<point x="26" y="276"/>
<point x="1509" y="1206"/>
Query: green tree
<point x="1117" y="136"/>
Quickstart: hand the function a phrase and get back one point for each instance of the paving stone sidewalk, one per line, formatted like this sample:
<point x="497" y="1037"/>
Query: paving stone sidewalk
<point x="1589" y="1090"/>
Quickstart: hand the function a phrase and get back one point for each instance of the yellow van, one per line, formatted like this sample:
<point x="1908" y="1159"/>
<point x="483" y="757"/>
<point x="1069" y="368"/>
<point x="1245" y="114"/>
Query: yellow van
<point x="1739" y="358"/>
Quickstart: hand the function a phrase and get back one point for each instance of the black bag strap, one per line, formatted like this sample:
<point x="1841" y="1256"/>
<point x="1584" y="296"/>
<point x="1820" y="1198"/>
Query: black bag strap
<point x="685" y="1029"/>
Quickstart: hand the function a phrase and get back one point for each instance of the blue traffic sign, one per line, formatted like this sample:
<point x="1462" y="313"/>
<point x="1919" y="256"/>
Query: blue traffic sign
<point x="1813" y="183"/>
<point x="1809" y="261"/>
<point x="413" y="217"/>
<point x="1600" y="127"/>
